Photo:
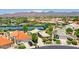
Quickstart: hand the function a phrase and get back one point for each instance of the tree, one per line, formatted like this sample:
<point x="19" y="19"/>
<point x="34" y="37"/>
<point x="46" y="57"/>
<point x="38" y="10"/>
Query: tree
<point x="21" y="20"/>
<point x="75" y="18"/>
<point x="77" y="33"/>
<point x="35" y="38"/>
<point x="69" y="30"/>
<point x="74" y="42"/>
<point x="49" y="30"/>
<point x="65" y="19"/>
<point x="25" y="28"/>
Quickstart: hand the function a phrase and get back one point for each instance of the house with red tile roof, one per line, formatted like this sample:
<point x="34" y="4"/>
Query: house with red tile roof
<point x="20" y="36"/>
<point x="5" y="42"/>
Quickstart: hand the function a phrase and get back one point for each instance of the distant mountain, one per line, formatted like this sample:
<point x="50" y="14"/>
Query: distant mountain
<point x="49" y="13"/>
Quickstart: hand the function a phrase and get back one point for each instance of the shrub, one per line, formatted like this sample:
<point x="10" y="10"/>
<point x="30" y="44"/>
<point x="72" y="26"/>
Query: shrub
<point x="50" y="39"/>
<point x="58" y="42"/>
<point x="54" y="39"/>
<point x="22" y="47"/>
<point x="74" y="42"/>
<point x="77" y="33"/>
<point x="70" y="39"/>
<point x="48" y="42"/>
<point x="69" y="42"/>
<point x="69" y="30"/>
<point x="44" y="40"/>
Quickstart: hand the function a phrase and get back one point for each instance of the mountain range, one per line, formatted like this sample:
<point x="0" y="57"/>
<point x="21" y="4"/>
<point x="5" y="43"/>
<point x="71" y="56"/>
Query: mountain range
<point x="50" y="13"/>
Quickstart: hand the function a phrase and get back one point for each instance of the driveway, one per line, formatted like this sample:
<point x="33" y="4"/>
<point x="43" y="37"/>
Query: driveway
<point x="40" y="43"/>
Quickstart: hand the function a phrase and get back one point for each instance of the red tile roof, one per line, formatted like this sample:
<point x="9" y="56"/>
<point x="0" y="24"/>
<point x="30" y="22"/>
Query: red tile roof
<point x="4" y="41"/>
<point x="20" y="35"/>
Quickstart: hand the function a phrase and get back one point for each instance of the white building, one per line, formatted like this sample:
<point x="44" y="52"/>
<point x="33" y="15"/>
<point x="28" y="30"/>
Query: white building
<point x="61" y="35"/>
<point x="73" y="26"/>
<point x="35" y="31"/>
<point x="43" y="34"/>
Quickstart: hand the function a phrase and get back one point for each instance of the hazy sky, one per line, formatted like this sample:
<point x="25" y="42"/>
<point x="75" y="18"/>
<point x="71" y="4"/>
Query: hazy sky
<point x="5" y="11"/>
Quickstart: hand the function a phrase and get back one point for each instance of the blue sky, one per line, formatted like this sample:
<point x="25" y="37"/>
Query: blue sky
<point x="6" y="11"/>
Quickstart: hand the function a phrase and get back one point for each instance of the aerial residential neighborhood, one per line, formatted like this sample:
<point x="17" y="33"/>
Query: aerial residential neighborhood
<point x="44" y="30"/>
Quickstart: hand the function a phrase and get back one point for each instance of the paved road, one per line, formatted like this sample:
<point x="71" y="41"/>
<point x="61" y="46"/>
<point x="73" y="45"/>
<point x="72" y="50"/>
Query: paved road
<point x="57" y="47"/>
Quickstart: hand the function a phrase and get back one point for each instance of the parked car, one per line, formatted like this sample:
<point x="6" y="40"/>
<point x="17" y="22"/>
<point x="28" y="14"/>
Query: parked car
<point x="30" y="43"/>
